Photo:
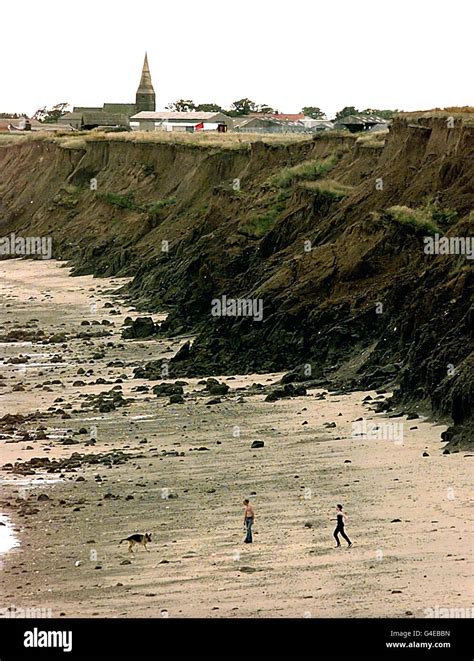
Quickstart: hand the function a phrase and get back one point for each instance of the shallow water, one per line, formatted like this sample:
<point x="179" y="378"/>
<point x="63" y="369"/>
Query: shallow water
<point x="28" y="483"/>
<point x="8" y="540"/>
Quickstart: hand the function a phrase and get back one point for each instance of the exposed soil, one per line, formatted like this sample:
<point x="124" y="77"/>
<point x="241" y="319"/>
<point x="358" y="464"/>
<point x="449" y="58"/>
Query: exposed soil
<point x="364" y="306"/>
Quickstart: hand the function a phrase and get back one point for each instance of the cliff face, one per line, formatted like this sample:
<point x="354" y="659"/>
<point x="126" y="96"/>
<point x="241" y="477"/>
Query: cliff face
<point x="344" y="280"/>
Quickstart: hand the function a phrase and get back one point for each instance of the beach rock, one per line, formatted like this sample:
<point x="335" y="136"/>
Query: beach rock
<point x="257" y="444"/>
<point x="139" y="328"/>
<point x="219" y="389"/>
<point x="288" y="390"/>
<point x="183" y="352"/>
<point x="167" y="389"/>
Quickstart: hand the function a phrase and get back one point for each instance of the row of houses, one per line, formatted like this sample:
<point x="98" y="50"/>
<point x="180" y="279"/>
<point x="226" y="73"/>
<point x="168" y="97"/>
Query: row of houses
<point x="192" y="122"/>
<point x="271" y="123"/>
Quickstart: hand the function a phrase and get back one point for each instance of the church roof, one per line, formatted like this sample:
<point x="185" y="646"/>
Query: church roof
<point x="89" y="117"/>
<point x="71" y="115"/>
<point x="146" y="86"/>
<point x="122" y="108"/>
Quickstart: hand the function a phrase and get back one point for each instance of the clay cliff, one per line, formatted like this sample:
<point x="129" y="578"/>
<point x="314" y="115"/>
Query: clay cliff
<point x="330" y="234"/>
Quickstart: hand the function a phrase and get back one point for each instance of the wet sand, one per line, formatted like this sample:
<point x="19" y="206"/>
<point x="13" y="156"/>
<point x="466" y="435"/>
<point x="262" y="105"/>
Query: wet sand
<point x="407" y="513"/>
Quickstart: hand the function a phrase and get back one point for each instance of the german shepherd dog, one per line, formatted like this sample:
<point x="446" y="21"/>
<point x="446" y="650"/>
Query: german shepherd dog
<point x="137" y="538"/>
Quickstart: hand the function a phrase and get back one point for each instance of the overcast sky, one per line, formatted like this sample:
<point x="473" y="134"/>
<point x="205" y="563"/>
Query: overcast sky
<point x="408" y="54"/>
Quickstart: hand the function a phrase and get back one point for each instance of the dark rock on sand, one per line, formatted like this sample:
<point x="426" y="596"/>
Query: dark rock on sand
<point x="141" y="327"/>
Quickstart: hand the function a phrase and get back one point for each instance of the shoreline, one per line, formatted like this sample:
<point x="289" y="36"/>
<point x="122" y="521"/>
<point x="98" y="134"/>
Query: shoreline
<point x="8" y="539"/>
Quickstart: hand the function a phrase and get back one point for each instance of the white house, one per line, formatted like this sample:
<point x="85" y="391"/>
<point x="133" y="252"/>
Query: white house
<point x="180" y="121"/>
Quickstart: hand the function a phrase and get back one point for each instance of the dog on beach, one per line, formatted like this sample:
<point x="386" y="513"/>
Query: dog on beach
<point x="139" y="539"/>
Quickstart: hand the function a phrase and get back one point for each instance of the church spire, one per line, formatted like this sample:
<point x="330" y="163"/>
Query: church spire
<point x="145" y="98"/>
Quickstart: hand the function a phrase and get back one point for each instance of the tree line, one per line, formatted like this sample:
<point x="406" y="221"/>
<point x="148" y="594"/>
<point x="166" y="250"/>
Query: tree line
<point x="246" y="106"/>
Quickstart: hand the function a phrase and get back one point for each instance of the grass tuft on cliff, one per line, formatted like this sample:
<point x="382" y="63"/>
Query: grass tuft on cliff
<point x="417" y="219"/>
<point x="128" y="201"/>
<point x="259" y="224"/>
<point x="306" y="171"/>
<point x="329" y="188"/>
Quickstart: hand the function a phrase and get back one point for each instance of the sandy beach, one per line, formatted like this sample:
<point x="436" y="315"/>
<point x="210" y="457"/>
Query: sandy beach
<point x="186" y="469"/>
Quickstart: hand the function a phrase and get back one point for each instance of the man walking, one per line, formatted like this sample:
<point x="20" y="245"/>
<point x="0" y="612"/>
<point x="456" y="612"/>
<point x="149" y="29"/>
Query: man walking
<point x="249" y="518"/>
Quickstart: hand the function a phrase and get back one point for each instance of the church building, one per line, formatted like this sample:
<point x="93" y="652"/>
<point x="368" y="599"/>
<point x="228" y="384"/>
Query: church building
<point x="115" y="114"/>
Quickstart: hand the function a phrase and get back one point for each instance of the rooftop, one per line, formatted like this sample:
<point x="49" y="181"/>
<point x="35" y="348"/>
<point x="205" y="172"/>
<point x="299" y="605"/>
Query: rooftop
<point x="361" y="120"/>
<point x="173" y="115"/>
<point x="284" y="117"/>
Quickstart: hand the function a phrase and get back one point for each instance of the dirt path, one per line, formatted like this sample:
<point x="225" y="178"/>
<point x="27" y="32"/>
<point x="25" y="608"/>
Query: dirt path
<point x="407" y="513"/>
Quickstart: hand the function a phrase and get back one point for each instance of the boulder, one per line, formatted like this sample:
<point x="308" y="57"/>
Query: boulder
<point x="139" y="328"/>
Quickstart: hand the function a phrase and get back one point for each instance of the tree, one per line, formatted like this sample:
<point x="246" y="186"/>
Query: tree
<point x="242" y="107"/>
<point x="313" y="112"/>
<point x="51" y="115"/>
<point x="182" y="105"/>
<point x="265" y="109"/>
<point x="348" y="110"/>
<point x="385" y="114"/>
<point x="209" y="107"/>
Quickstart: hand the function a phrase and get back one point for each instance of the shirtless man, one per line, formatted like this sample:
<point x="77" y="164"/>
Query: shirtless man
<point x="249" y="518"/>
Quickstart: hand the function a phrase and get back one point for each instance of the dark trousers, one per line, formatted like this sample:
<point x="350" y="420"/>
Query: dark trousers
<point x="340" y="529"/>
<point x="248" y="524"/>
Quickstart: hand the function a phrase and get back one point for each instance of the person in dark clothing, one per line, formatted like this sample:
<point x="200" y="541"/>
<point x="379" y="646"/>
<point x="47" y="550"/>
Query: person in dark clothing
<point x="340" y="516"/>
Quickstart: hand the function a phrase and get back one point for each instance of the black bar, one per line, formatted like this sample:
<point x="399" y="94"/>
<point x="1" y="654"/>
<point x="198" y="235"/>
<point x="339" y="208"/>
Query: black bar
<point x="238" y="638"/>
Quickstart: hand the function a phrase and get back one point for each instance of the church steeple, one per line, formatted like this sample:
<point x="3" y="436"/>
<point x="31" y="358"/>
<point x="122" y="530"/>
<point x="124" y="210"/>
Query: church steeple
<point x="145" y="98"/>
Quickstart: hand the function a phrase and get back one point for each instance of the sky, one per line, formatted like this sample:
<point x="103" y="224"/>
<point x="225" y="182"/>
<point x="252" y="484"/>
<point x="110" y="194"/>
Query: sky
<point x="408" y="54"/>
